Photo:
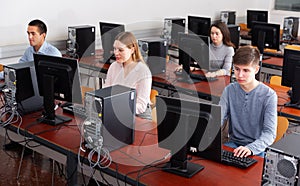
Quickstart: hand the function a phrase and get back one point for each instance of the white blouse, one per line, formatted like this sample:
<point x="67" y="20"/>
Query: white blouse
<point x="139" y="78"/>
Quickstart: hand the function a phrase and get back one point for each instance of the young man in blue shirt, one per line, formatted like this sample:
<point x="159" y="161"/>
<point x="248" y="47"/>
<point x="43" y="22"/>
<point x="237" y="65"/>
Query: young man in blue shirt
<point x="37" y="31"/>
<point x="249" y="106"/>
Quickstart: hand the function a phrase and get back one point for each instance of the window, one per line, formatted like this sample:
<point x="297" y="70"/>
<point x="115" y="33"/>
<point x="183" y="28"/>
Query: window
<point x="288" y="5"/>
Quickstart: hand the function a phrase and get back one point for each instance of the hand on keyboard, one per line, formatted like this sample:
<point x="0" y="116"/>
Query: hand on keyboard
<point x="242" y="151"/>
<point x="229" y="159"/>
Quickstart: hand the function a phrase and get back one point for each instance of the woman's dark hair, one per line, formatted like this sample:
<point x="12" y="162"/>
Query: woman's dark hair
<point x="225" y="32"/>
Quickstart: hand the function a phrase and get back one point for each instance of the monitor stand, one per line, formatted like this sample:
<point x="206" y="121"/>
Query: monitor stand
<point x="49" y="116"/>
<point x="190" y="171"/>
<point x="180" y="165"/>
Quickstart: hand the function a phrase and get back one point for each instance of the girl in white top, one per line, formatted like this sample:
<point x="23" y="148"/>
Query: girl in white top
<point x="130" y="70"/>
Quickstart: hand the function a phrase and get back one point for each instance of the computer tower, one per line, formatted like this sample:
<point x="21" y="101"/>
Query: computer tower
<point x="290" y="28"/>
<point x="81" y="41"/>
<point x="21" y="87"/>
<point x="154" y="52"/>
<point x="172" y="26"/>
<point x="228" y="17"/>
<point x="110" y="117"/>
<point x="281" y="165"/>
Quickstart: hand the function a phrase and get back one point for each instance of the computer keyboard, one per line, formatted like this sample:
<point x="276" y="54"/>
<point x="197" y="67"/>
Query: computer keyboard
<point x="229" y="159"/>
<point x="203" y="77"/>
<point x="76" y="110"/>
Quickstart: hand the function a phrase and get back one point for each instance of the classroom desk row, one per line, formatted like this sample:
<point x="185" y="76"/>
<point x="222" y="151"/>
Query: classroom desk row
<point x="204" y="90"/>
<point x="62" y="143"/>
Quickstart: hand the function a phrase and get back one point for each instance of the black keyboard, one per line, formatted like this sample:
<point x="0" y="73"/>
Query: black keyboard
<point x="203" y="77"/>
<point x="229" y="159"/>
<point x="76" y="110"/>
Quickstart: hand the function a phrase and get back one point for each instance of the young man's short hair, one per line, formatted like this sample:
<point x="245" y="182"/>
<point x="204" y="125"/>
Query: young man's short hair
<point x="40" y="24"/>
<point x="246" y="55"/>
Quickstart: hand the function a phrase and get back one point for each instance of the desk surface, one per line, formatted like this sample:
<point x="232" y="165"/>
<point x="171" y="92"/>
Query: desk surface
<point x="66" y="138"/>
<point x="273" y="62"/>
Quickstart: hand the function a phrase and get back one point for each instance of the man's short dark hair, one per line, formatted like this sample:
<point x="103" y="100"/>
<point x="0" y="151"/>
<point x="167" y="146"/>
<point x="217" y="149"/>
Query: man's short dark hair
<point x="40" y="24"/>
<point x="246" y="55"/>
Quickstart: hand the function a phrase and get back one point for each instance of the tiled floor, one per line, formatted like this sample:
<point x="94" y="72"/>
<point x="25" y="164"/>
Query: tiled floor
<point x="36" y="170"/>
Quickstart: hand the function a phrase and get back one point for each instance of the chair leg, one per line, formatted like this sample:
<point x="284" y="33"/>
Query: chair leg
<point x="21" y="160"/>
<point x="53" y="170"/>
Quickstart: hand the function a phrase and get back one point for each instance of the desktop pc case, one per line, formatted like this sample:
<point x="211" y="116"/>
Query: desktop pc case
<point x="81" y="41"/>
<point x="290" y="28"/>
<point x="228" y="17"/>
<point x="282" y="162"/>
<point x="154" y="52"/>
<point x="110" y="116"/>
<point x="21" y="83"/>
<point x="172" y="26"/>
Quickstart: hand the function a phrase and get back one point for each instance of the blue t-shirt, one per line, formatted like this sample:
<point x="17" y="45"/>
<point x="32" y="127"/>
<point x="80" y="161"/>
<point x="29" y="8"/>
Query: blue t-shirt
<point x="252" y="116"/>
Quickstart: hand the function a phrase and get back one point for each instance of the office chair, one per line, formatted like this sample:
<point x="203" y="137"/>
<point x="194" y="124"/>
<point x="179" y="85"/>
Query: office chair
<point x="275" y="80"/>
<point x="282" y="126"/>
<point x="153" y="95"/>
<point x="85" y="89"/>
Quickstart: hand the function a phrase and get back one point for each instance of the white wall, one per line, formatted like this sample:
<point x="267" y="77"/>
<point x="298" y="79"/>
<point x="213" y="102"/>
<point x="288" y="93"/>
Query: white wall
<point x="135" y="14"/>
<point x="58" y="15"/>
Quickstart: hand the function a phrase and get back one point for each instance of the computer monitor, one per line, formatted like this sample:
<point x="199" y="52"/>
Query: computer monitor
<point x="108" y="32"/>
<point x="199" y="25"/>
<point x="256" y="15"/>
<point x="291" y="75"/>
<point x="193" y="51"/>
<point x="58" y="78"/>
<point x="234" y="35"/>
<point x="265" y="35"/>
<point x="183" y="124"/>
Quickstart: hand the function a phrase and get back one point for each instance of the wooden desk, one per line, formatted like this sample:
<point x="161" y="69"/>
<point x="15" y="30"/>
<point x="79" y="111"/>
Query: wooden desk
<point x="205" y="90"/>
<point x="65" y="139"/>
<point x="273" y="62"/>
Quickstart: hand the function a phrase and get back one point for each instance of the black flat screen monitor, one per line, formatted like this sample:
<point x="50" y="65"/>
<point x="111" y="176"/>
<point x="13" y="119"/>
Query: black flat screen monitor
<point x="58" y="78"/>
<point x="256" y="15"/>
<point x="199" y="25"/>
<point x="234" y="35"/>
<point x="193" y="51"/>
<point x="108" y="32"/>
<point x="265" y="35"/>
<point x="185" y="125"/>
<point x="291" y="76"/>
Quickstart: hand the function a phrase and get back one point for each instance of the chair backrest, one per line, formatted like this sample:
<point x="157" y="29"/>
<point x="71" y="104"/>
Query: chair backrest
<point x="282" y="126"/>
<point x="275" y="80"/>
<point x="153" y="95"/>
